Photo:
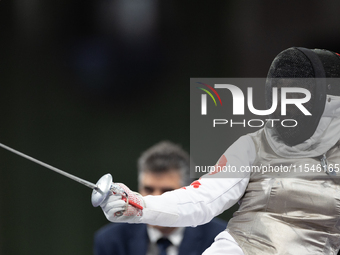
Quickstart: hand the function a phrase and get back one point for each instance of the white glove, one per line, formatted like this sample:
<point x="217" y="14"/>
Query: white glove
<point x="123" y="205"/>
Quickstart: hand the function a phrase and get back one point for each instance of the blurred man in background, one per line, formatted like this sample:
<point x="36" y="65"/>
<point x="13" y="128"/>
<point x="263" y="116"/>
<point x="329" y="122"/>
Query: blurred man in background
<point x="163" y="167"/>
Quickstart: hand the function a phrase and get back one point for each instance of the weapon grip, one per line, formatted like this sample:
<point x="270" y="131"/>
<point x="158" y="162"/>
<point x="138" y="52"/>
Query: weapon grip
<point x="116" y="189"/>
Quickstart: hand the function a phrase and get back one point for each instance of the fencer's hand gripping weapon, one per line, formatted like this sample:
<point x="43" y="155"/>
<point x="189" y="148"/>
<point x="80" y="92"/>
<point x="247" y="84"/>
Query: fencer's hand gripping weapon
<point x="101" y="189"/>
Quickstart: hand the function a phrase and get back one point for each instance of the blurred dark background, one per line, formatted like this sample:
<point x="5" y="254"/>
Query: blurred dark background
<point x="86" y="86"/>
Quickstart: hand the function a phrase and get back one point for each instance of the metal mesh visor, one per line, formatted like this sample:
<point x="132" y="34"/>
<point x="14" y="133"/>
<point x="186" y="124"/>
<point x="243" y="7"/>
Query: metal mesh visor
<point x="292" y="68"/>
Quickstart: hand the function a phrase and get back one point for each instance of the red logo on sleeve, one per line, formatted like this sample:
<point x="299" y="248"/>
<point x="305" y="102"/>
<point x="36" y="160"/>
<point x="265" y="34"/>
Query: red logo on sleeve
<point x="195" y="184"/>
<point x="219" y="166"/>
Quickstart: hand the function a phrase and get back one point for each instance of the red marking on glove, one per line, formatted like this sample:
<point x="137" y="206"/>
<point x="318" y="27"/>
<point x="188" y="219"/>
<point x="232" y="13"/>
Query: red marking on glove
<point x="133" y="203"/>
<point x="195" y="184"/>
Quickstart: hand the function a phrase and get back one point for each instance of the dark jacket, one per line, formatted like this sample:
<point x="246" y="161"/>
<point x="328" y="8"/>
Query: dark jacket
<point x="132" y="239"/>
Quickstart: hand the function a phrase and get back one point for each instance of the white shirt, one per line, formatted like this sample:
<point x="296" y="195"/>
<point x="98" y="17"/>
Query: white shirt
<point x="175" y="237"/>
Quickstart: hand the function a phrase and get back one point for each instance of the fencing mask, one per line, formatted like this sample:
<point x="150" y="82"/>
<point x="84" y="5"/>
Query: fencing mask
<point x="304" y="68"/>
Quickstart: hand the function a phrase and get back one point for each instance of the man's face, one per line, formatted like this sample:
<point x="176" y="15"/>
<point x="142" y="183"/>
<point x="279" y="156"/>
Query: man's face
<point x="157" y="184"/>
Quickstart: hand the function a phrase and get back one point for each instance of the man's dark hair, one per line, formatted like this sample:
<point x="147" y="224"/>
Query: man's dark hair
<point x="163" y="157"/>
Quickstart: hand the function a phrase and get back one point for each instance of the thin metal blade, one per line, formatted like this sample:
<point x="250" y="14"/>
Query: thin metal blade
<point x="75" y="178"/>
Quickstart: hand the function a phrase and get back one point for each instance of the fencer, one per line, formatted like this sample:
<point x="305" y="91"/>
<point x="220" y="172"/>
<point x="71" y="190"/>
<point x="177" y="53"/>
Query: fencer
<point x="295" y="212"/>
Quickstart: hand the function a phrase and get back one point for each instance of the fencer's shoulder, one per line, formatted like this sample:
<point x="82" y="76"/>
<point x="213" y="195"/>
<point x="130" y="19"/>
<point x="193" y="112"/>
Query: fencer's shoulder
<point x="255" y="137"/>
<point x="244" y="147"/>
<point x="257" y="133"/>
<point x="248" y="139"/>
